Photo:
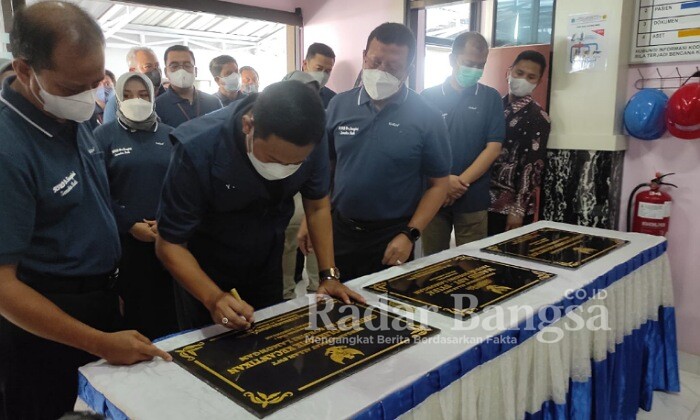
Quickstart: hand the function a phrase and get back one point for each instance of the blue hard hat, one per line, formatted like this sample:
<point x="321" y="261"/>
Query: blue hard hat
<point x="645" y="114"/>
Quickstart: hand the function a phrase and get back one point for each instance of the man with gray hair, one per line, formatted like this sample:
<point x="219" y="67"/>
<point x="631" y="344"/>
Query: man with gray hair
<point x="60" y="245"/>
<point x="141" y="60"/>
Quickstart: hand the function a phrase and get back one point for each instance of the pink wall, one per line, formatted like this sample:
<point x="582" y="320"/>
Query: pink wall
<point x="669" y="154"/>
<point x="344" y="27"/>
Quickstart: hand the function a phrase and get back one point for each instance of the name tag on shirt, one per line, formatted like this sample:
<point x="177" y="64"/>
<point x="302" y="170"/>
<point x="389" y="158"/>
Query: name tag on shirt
<point x="121" y="151"/>
<point x="346" y="130"/>
<point x="67" y="184"/>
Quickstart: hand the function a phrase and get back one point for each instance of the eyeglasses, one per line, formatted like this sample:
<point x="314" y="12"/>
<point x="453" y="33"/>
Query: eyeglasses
<point x="175" y="66"/>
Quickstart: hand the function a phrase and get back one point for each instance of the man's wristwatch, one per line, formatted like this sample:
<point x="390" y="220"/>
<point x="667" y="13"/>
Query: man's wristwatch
<point x="412" y="233"/>
<point x="331" y="274"/>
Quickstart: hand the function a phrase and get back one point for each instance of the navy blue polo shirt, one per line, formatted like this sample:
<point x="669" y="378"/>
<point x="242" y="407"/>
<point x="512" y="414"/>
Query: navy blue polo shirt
<point x="55" y="216"/>
<point x="226" y="101"/>
<point x="326" y="96"/>
<point x="383" y="158"/>
<point x="213" y="194"/>
<point x="474" y="118"/>
<point x="174" y="110"/>
<point x="136" y="165"/>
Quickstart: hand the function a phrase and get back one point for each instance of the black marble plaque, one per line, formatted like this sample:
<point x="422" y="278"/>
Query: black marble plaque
<point x="285" y="358"/>
<point x="461" y="286"/>
<point x="557" y="247"/>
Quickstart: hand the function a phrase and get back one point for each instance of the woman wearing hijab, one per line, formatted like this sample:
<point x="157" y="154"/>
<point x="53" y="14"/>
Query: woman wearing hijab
<point x="137" y="153"/>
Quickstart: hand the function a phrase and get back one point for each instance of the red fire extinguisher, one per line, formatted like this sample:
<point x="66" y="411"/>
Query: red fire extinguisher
<point x="652" y="208"/>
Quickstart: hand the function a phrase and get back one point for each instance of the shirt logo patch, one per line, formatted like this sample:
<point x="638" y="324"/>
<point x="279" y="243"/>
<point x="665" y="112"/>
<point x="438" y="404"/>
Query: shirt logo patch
<point x="160" y="143"/>
<point x="121" y="151"/>
<point x="473" y="108"/>
<point x="230" y="187"/>
<point x="392" y="124"/>
<point x="346" y="130"/>
<point x="66" y="185"/>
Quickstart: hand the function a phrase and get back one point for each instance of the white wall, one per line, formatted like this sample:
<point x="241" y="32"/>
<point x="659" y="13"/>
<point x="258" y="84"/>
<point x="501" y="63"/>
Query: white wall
<point x="585" y="107"/>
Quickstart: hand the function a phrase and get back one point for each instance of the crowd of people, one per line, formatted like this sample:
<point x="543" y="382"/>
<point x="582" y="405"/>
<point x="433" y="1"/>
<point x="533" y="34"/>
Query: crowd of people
<point x="132" y="206"/>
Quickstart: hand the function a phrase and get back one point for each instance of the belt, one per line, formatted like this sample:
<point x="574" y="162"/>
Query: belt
<point x="50" y="283"/>
<point x="371" y="225"/>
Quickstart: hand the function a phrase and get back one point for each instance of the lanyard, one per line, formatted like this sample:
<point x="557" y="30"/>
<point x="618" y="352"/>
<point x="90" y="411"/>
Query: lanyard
<point x="196" y="101"/>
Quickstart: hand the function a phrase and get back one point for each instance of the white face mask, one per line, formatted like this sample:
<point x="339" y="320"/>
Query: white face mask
<point x="272" y="171"/>
<point x="137" y="109"/>
<point x="380" y="84"/>
<point x="182" y="79"/>
<point x="249" y="88"/>
<point x="520" y="87"/>
<point x="321" y="77"/>
<point x="78" y="108"/>
<point x="232" y="82"/>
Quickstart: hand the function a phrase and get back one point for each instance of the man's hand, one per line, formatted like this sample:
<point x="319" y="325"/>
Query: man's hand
<point x="338" y="290"/>
<point x="457" y="188"/>
<point x="142" y="232"/>
<point x="127" y="348"/>
<point x="304" y="240"/>
<point x="238" y="315"/>
<point x="398" y="251"/>
<point x="152" y="224"/>
<point x="513" y="222"/>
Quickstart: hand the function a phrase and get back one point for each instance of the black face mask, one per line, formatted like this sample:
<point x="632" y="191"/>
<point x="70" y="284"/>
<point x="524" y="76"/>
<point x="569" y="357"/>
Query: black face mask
<point x="155" y="77"/>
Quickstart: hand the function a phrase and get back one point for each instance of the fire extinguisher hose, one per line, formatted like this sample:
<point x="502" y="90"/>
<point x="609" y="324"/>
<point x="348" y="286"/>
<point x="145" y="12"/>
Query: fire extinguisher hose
<point x="629" y="203"/>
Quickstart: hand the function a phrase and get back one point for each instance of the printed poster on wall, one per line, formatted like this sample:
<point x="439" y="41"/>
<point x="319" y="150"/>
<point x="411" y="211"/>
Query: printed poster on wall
<point x="666" y="31"/>
<point x="588" y="49"/>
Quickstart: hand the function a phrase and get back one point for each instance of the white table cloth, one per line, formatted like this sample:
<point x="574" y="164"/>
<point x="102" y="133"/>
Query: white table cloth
<point x="432" y="380"/>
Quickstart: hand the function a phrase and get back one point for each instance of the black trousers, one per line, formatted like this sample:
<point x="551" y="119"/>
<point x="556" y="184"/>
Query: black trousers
<point x="497" y="222"/>
<point x="147" y="290"/>
<point x="38" y="377"/>
<point x="360" y="245"/>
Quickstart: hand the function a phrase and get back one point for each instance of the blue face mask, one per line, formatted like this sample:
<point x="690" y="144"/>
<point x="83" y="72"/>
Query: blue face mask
<point x="468" y="76"/>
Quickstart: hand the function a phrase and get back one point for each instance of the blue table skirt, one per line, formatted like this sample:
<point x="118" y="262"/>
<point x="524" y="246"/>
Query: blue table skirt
<point x="647" y="360"/>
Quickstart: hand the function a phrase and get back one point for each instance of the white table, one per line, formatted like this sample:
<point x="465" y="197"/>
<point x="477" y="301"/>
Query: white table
<point x="465" y="373"/>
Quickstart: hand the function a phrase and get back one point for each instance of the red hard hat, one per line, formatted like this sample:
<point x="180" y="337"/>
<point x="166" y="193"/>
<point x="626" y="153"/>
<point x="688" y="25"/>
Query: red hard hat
<point x="683" y="112"/>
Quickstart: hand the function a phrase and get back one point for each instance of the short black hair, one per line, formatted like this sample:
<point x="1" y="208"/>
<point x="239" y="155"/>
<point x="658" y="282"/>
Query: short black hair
<point x="109" y="74"/>
<point x="397" y="34"/>
<point x="291" y="111"/>
<point x="177" y="48"/>
<point x="318" y="48"/>
<point x="219" y="62"/>
<point x="534" y="56"/>
<point x="475" y="38"/>
<point x="37" y="29"/>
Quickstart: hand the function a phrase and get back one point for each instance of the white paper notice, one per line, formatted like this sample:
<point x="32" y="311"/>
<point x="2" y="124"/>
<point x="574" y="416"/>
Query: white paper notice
<point x="666" y="31"/>
<point x="588" y="49"/>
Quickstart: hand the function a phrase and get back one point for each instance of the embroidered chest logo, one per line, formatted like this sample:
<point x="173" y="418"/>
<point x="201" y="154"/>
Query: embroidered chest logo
<point x="160" y="143"/>
<point x="346" y="130"/>
<point x="66" y="185"/>
<point x="121" y="151"/>
<point x="393" y="124"/>
<point x="230" y="187"/>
